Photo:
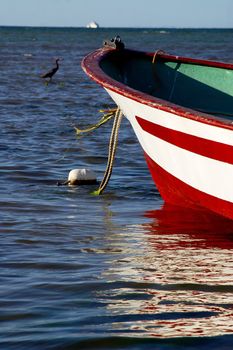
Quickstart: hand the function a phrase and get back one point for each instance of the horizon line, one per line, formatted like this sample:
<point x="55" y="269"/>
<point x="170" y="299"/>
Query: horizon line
<point x="107" y="27"/>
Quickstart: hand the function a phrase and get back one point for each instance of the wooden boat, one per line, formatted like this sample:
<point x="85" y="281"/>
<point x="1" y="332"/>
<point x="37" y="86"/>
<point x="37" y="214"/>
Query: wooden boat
<point x="181" y="110"/>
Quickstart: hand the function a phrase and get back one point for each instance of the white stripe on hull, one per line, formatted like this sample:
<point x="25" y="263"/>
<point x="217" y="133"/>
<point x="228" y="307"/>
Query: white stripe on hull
<point x="132" y="108"/>
<point x="202" y="173"/>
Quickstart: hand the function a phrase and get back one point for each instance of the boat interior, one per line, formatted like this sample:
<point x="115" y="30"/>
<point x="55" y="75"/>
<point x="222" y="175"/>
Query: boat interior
<point x="201" y="87"/>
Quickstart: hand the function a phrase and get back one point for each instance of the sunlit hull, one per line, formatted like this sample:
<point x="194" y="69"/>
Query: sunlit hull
<point x="186" y="158"/>
<point x="189" y="154"/>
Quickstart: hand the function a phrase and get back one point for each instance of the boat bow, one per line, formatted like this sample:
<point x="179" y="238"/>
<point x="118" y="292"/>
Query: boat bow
<point x="181" y="110"/>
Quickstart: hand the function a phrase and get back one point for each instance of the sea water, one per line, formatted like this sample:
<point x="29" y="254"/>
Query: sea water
<point x="121" y="270"/>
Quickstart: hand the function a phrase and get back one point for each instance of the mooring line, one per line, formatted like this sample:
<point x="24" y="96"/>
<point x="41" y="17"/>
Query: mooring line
<point x="106" y="117"/>
<point x="111" y="151"/>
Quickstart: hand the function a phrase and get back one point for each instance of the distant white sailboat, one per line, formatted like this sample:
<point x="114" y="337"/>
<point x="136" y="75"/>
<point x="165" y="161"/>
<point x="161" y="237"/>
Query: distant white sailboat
<point x="93" y="25"/>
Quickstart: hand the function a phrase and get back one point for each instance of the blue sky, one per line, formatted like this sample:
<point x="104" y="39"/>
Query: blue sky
<point x="118" y="13"/>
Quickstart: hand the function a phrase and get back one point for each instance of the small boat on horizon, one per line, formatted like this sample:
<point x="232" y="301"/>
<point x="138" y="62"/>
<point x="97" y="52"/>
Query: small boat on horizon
<point x="181" y="110"/>
<point x="92" y="25"/>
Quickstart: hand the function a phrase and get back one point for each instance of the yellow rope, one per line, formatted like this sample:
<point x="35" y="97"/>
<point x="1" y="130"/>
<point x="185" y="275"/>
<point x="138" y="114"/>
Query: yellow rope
<point x="111" y="151"/>
<point x="106" y="117"/>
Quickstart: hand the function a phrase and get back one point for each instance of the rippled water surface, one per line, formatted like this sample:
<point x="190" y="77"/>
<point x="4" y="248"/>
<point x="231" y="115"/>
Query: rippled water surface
<point x="118" y="271"/>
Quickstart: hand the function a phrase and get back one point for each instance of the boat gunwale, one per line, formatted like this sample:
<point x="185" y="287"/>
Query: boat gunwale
<point x="91" y="65"/>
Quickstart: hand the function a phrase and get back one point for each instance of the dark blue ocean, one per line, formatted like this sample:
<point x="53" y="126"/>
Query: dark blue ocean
<point x="118" y="271"/>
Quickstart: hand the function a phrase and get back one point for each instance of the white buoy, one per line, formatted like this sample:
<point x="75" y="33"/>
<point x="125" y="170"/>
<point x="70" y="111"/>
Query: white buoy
<point x="81" y="177"/>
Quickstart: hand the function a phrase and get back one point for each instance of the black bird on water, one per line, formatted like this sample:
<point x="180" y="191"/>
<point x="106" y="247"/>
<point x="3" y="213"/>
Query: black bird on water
<point x="51" y="73"/>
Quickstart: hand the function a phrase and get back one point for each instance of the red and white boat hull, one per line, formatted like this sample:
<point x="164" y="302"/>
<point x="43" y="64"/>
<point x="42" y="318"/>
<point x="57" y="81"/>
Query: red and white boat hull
<point x="189" y="150"/>
<point x="187" y="158"/>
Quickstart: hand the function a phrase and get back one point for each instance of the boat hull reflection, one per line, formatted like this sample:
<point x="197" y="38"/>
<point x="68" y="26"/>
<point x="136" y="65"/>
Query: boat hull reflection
<point x="201" y="227"/>
<point x="174" y="276"/>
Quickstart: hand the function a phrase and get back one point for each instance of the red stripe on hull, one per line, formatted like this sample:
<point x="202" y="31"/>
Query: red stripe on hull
<point x="177" y="192"/>
<point x="201" y="146"/>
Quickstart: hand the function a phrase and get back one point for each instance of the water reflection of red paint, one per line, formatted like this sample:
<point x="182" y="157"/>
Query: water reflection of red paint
<point x="180" y="262"/>
<point x="196" y="228"/>
<point x="192" y="251"/>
